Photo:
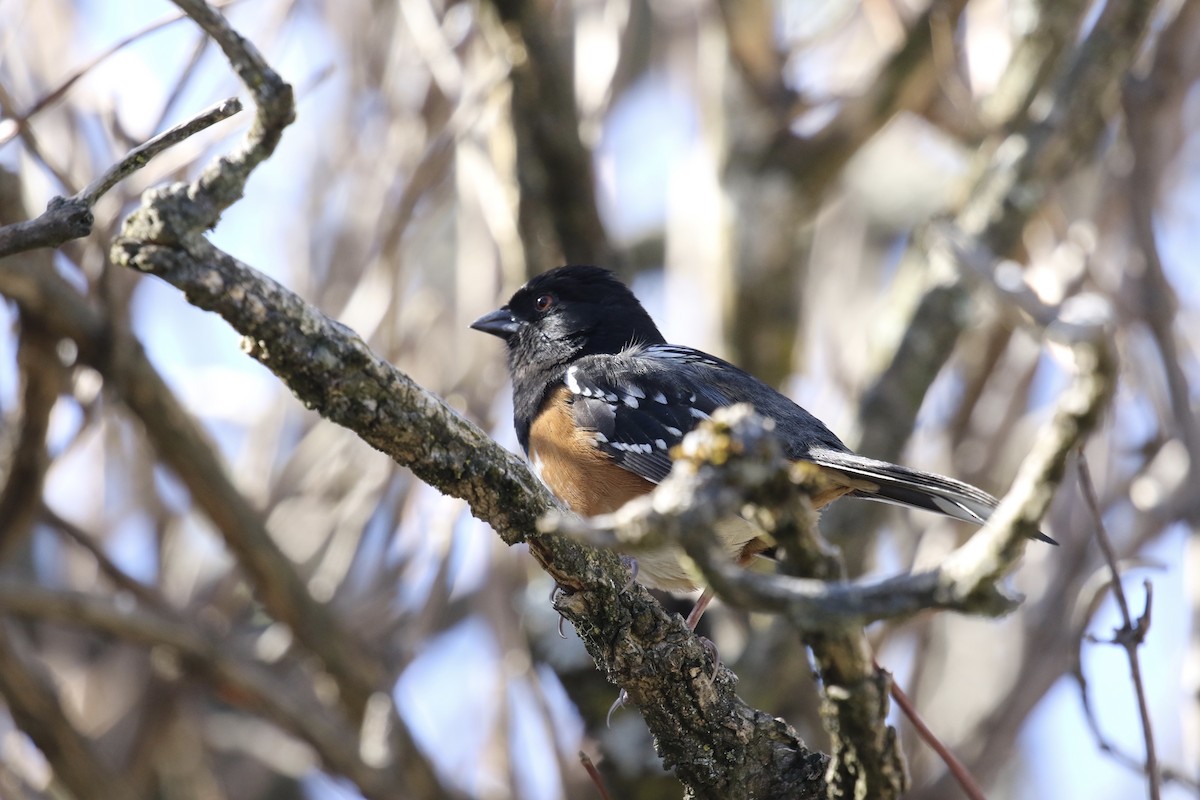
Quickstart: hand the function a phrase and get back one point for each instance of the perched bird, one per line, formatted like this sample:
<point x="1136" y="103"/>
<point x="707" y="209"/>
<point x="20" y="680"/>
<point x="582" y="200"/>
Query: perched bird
<point x="600" y="398"/>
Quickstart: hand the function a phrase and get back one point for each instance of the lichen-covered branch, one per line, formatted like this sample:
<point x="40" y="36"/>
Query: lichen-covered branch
<point x="635" y="642"/>
<point x="332" y="371"/>
<point x="732" y="461"/>
<point x="1035" y="155"/>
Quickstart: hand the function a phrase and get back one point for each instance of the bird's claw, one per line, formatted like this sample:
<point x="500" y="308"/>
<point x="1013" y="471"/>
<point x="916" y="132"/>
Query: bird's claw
<point x="622" y="699"/>
<point x="554" y="590"/>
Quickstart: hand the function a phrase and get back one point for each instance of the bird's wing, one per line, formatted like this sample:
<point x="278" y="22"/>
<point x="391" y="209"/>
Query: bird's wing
<point x="639" y="406"/>
<point x="643" y="401"/>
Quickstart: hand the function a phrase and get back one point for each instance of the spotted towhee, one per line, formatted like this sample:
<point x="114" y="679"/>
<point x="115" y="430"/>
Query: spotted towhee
<point x="600" y="399"/>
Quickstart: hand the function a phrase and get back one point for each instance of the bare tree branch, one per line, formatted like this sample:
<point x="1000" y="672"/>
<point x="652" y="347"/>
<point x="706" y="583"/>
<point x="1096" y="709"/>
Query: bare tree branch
<point x="180" y="442"/>
<point x="559" y="220"/>
<point x="43" y="377"/>
<point x="1131" y="634"/>
<point x="183" y="446"/>
<point x="33" y="701"/>
<point x="1099" y="587"/>
<point x="333" y="372"/>
<point x="71" y="218"/>
<point x="236" y="675"/>
<point x="1011" y="189"/>
<point x="907" y="81"/>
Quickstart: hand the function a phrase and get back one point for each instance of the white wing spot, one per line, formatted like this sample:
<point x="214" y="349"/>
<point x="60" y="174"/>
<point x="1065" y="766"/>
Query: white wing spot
<point x="600" y="437"/>
<point x="636" y="391"/>
<point x="697" y="413"/>
<point x="630" y="401"/>
<point x="660" y="444"/>
<point x="573" y="382"/>
<point x="674" y="431"/>
<point x="659" y="397"/>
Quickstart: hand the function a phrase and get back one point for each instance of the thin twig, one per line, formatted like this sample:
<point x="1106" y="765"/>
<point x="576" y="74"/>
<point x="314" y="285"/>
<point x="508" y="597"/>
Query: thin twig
<point x="959" y="770"/>
<point x="71" y="218"/>
<point x="120" y="579"/>
<point x="59" y="91"/>
<point x="1131" y="634"/>
<point x="594" y="774"/>
<point x="1095" y="595"/>
<point x="140" y="156"/>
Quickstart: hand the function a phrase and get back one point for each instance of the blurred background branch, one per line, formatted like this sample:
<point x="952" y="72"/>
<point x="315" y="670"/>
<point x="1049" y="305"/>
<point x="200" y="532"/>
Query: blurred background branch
<point x="766" y="175"/>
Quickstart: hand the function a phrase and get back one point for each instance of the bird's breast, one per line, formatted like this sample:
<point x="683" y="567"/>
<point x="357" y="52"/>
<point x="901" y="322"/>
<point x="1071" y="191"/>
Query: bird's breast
<point x="567" y="460"/>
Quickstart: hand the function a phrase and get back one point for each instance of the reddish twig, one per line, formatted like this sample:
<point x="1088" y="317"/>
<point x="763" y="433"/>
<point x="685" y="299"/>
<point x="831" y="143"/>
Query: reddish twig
<point x="960" y="772"/>
<point x="594" y="774"/>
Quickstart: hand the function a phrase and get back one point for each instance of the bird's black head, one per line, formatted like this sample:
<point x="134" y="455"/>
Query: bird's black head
<point x="566" y="313"/>
<point x="557" y="317"/>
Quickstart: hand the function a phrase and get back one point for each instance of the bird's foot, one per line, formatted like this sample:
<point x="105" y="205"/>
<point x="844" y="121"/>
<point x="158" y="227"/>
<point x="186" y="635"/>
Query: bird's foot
<point x="554" y="590"/>
<point x="622" y="699"/>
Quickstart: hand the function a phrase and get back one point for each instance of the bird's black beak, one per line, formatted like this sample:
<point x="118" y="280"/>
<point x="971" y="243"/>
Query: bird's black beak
<point x="500" y="323"/>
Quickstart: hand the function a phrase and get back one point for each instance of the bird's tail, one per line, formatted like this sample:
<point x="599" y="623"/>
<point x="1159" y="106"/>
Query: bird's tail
<point x="892" y="483"/>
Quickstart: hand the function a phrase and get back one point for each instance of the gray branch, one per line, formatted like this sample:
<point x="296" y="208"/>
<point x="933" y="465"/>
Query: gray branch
<point x="635" y="642"/>
<point x="68" y="218"/>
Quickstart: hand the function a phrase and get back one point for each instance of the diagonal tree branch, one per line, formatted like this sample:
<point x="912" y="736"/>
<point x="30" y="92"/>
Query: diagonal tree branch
<point x="71" y="218"/>
<point x="33" y="701"/>
<point x="331" y="370"/>
<point x="237" y="676"/>
<point x="1037" y="153"/>
<point x="183" y="446"/>
<point x="634" y="641"/>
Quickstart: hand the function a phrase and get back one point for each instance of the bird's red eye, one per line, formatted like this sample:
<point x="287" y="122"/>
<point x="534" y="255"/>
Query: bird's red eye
<point x="544" y="302"/>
